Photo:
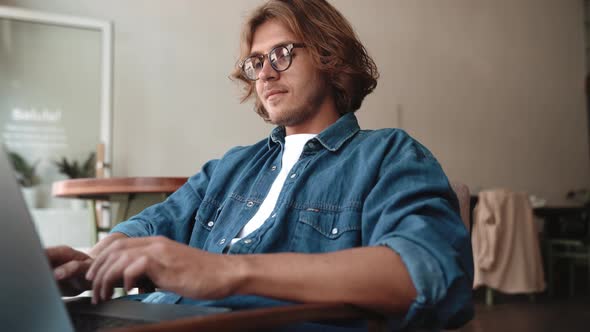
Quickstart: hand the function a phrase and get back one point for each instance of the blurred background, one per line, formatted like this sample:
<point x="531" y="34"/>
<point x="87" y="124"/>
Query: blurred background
<point x="496" y="89"/>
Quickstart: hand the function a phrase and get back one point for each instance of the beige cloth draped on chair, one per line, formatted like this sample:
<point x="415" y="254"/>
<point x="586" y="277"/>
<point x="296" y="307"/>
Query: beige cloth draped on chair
<point x="505" y="241"/>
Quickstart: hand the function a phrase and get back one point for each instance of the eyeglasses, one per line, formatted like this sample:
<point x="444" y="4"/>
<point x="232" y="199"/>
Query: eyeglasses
<point x="280" y="59"/>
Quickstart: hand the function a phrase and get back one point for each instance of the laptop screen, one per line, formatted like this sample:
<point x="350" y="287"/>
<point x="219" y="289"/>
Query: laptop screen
<point x="30" y="299"/>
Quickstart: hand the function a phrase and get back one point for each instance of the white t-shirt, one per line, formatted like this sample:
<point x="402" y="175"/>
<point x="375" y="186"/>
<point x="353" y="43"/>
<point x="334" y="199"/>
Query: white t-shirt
<point x="293" y="147"/>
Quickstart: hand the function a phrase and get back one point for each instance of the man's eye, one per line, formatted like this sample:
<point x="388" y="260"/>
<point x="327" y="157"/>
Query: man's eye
<point x="254" y="64"/>
<point x="282" y="54"/>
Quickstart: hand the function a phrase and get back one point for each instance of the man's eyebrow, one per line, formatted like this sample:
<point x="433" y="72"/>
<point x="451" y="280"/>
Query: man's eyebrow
<point x="272" y="47"/>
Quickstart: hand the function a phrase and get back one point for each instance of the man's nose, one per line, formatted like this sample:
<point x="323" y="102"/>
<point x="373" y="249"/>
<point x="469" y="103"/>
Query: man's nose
<point x="267" y="72"/>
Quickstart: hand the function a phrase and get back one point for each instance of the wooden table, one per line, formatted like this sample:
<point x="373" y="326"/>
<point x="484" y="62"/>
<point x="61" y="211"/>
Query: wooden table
<point x="264" y="319"/>
<point x="565" y="234"/>
<point x="555" y="219"/>
<point x="133" y="194"/>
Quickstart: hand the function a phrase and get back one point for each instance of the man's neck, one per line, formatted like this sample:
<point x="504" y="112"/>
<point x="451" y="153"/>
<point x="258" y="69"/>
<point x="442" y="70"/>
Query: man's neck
<point x="320" y="121"/>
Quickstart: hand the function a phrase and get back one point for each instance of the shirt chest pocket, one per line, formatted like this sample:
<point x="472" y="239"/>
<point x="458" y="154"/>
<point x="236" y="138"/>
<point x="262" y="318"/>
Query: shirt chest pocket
<point x="318" y="231"/>
<point x="208" y="215"/>
<point x="205" y="220"/>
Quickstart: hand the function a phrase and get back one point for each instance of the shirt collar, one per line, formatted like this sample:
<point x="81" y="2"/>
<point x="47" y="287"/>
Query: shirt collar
<point x="332" y="138"/>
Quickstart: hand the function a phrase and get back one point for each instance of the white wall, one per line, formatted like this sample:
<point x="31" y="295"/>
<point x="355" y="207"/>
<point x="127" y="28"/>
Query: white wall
<point x="495" y="88"/>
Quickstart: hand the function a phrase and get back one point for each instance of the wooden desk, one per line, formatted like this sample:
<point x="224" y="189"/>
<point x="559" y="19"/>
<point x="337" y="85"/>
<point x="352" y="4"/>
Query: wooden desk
<point x="565" y="236"/>
<point x="265" y="318"/>
<point x="555" y="219"/>
<point x="132" y="194"/>
<point x="557" y="211"/>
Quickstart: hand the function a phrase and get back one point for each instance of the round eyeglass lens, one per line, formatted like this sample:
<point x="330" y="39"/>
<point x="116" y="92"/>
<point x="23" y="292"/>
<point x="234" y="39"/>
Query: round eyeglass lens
<point x="280" y="58"/>
<point x="251" y="67"/>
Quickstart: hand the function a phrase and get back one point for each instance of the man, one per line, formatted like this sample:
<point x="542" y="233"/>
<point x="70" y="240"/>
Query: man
<point x="320" y="211"/>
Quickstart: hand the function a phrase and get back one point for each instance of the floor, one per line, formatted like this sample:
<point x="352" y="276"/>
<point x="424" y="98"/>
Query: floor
<point x="515" y="313"/>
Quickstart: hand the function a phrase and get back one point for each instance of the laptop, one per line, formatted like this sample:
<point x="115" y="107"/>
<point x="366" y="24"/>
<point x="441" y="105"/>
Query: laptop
<point x="29" y="296"/>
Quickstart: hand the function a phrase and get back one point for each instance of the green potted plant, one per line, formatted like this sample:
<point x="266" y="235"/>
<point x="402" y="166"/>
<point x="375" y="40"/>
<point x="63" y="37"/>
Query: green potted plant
<point x="75" y="170"/>
<point x="26" y="174"/>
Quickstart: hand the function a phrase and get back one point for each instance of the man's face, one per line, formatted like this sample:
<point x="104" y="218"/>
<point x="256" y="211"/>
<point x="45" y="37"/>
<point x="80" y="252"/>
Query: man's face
<point x="292" y="97"/>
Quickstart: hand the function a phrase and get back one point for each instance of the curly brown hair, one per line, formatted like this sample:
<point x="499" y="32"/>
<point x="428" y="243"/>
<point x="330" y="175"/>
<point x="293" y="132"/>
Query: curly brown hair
<point x="334" y="47"/>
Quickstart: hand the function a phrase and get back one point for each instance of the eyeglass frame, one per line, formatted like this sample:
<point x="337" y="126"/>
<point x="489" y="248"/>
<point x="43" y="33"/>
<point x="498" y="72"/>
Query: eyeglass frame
<point x="261" y="57"/>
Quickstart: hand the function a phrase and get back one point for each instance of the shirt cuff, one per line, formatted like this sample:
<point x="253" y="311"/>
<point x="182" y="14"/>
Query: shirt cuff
<point x="427" y="276"/>
<point x="131" y="228"/>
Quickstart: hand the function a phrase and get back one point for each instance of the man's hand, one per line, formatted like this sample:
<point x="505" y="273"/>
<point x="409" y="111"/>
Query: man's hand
<point x="69" y="267"/>
<point x="168" y="264"/>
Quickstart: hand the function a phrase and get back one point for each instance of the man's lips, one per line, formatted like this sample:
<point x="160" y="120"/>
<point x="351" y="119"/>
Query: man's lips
<point x="273" y="92"/>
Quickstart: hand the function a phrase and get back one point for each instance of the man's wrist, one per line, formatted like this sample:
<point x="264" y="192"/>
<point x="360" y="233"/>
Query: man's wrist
<point x="241" y="273"/>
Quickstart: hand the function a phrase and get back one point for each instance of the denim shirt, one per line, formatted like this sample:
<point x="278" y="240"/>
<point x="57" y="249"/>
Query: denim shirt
<point x="349" y="188"/>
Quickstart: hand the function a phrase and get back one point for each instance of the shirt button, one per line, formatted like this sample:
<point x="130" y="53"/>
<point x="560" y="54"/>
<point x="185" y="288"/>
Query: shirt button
<point x="273" y="168"/>
<point x="210" y="224"/>
<point x="248" y="241"/>
<point x="311" y="145"/>
<point x="222" y="241"/>
<point x="334" y="231"/>
<point x="250" y="204"/>
<point x="293" y="175"/>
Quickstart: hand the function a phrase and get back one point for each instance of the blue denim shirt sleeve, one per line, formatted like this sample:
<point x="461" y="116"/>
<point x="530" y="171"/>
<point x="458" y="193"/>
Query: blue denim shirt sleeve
<point x="415" y="213"/>
<point x="173" y="217"/>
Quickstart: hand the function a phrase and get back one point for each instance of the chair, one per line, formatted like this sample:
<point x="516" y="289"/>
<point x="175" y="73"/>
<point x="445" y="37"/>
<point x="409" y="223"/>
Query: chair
<point x="571" y="246"/>
<point x="505" y="240"/>
<point x="272" y="318"/>
<point x="464" y="196"/>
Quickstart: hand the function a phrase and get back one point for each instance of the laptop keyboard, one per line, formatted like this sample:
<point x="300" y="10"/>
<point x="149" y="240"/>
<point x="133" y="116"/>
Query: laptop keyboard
<point x="87" y="322"/>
